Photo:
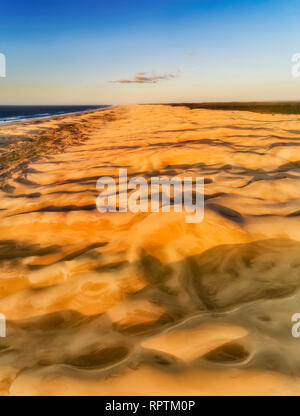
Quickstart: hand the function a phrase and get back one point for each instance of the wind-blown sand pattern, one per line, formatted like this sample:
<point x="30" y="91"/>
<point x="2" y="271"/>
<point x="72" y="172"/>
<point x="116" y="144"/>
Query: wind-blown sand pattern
<point x="122" y="303"/>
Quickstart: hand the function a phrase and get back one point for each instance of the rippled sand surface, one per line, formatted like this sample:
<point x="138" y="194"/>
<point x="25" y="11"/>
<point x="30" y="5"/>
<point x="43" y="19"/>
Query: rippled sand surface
<point x="122" y="303"/>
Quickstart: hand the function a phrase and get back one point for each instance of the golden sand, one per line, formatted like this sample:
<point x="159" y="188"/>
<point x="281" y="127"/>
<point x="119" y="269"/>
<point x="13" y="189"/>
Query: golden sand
<point x="123" y="303"/>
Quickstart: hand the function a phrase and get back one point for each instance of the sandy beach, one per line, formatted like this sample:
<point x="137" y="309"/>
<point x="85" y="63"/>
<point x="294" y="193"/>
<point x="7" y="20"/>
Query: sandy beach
<point x="147" y="304"/>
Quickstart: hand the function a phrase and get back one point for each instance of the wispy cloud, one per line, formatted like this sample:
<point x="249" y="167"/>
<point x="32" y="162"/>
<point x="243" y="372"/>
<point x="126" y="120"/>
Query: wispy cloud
<point x="147" y="78"/>
<point x="189" y="53"/>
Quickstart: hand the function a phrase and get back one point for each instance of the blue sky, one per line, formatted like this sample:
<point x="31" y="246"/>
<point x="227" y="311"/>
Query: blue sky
<point x="94" y="52"/>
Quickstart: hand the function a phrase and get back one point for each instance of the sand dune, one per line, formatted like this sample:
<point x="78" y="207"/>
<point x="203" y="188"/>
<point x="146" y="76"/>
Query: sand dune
<point x="123" y="303"/>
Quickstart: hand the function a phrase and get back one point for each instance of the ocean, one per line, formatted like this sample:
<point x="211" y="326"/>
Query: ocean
<point x="18" y="113"/>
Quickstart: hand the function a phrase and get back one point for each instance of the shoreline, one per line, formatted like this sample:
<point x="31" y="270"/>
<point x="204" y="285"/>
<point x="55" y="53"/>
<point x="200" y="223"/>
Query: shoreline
<point x="19" y="143"/>
<point x="55" y="115"/>
<point x="261" y="107"/>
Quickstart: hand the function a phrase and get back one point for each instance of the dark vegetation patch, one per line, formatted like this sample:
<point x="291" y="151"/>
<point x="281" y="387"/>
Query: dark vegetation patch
<point x="288" y="107"/>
